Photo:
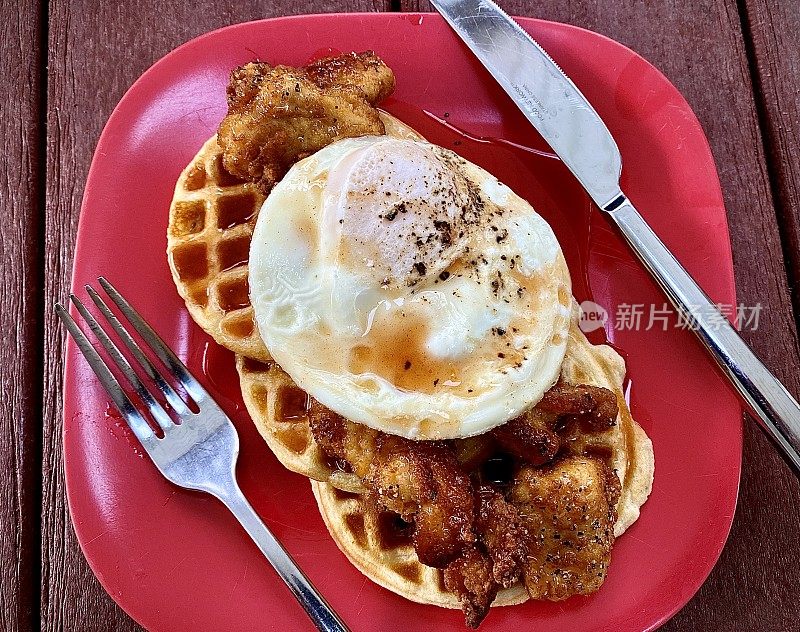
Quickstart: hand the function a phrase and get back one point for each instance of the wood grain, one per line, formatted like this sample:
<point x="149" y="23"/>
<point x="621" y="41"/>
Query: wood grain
<point x="700" y="47"/>
<point x="20" y="134"/>
<point x="772" y="29"/>
<point x="96" y="51"/>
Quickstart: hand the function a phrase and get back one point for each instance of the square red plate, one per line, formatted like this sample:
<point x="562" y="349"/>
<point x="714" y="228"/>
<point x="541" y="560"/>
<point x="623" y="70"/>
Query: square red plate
<point x="177" y="560"/>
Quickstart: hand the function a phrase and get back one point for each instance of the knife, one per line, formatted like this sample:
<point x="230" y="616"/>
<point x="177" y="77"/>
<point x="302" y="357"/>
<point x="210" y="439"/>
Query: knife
<point x="570" y="125"/>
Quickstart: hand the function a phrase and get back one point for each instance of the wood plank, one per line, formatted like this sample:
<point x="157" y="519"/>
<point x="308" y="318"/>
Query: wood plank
<point x="700" y="47"/>
<point x="96" y="51"/>
<point x="772" y="28"/>
<point x="21" y="131"/>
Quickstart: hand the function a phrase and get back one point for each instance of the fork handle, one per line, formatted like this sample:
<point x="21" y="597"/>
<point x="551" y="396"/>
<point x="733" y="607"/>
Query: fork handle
<point x="304" y="591"/>
<point x="775" y="409"/>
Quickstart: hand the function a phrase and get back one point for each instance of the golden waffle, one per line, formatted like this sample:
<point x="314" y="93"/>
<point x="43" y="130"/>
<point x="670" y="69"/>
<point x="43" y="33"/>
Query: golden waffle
<point x="379" y="545"/>
<point x="381" y="549"/>
<point x="211" y="222"/>
<point x="279" y="409"/>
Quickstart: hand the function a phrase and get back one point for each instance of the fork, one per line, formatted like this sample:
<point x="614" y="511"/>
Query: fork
<point x="200" y="451"/>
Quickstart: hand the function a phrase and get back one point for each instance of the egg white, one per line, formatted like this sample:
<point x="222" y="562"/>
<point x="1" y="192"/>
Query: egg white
<point x="389" y="319"/>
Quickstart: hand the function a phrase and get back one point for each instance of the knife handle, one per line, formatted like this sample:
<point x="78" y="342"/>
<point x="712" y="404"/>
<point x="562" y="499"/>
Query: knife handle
<point x="774" y="407"/>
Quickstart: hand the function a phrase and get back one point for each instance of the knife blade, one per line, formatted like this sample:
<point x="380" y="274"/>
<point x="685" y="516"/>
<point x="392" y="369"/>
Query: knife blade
<point x="546" y="96"/>
<point x="571" y="126"/>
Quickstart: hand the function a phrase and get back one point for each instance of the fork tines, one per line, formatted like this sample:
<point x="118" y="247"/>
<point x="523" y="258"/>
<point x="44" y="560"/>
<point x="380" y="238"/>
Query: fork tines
<point x="137" y="422"/>
<point x="199" y="452"/>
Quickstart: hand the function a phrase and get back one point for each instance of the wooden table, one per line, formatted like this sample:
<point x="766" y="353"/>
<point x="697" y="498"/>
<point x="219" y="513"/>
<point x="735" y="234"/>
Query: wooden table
<point x="67" y="63"/>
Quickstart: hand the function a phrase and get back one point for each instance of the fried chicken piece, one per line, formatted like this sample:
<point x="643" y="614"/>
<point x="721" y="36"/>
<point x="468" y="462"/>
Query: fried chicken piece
<point x="470" y="577"/>
<point x="342" y="439"/>
<point x="421" y="481"/>
<point x="593" y="404"/>
<point x="446" y="514"/>
<point x="569" y="511"/>
<point x="503" y="533"/>
<point x="531" y="436"/>
<point x="278" y="115"/>
<point x="497" y="560"/>
<point x="362" y="70"/>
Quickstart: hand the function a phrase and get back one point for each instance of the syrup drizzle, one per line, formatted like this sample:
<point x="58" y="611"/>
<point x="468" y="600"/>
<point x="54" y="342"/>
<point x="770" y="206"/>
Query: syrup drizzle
<point x="218" y="366"/>
<point x="489" y="140"/>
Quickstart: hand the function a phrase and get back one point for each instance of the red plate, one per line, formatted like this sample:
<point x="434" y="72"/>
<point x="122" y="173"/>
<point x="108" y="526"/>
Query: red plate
<point x="176" y="560"/>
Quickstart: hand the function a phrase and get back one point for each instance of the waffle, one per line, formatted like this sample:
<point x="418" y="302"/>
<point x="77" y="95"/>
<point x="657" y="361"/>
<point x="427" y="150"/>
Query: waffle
<point x="279" y="410"/>
<point x="211" y="222"/>
<point x="380" y="546"/>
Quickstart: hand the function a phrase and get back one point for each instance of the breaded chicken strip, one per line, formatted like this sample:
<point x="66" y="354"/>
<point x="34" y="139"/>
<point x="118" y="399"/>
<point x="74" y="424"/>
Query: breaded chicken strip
<point x="569" y="511"/>
<point x="278" y="115"/>
<point x="421" y="481"/>
<point x="593" y="404"/>
<point x="343" y="439"/>
<point x="470" y="577"/>
<point x="532" y="436"/>
<point x="498" y="559"/>
<point x="502" y="532"/>
<point x="365" y="71"/>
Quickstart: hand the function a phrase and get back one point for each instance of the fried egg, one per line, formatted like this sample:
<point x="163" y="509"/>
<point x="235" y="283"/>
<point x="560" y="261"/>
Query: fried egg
<point x="407" y="289"/>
